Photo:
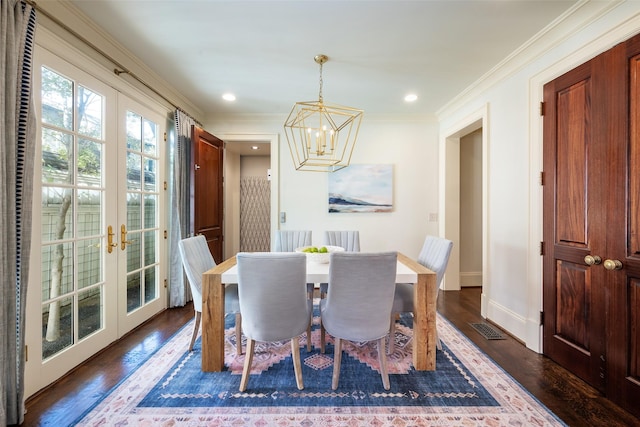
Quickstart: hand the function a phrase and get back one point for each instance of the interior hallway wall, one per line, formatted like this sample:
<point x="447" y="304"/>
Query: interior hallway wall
<point x="471" y="209"/>
<point x="255" y="198"/>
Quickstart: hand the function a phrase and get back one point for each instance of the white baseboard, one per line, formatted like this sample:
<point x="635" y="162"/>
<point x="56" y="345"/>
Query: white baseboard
<point x="508" y="320"/>
<point x="526" y="330"/>
<point x="470" y="279"/>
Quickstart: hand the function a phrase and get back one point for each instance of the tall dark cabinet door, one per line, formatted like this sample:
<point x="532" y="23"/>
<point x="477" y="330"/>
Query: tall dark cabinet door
<point x="207" y="187"/>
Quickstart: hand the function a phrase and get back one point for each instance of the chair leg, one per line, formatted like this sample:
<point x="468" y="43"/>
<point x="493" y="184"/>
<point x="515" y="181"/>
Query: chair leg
<point x="383" y="364"/>
<point x="310" y="291"/>
<point x="309" y="334"/>
<point x="297" y="366"/>
<point x="248" y="360"/>
<point x="238" y="334"/>
<point x="321" y="336"/>
<point x="196" y="326"/>
<point x="392" y="335"/>
<point x="337" y="360"/>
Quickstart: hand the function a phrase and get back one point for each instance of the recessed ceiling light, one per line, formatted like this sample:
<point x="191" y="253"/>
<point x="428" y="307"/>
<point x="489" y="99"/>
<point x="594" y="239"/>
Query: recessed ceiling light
<point x="229" y="97"/>
<point x="411" y="97"/>
<point x="255" y="147"/>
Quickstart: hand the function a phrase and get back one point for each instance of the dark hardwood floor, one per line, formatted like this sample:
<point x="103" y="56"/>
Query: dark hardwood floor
<point x="572" y="400"/>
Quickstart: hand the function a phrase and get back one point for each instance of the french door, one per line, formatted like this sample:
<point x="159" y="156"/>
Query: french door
<point x="98" y="225"/>
<point x="140" y="239"/>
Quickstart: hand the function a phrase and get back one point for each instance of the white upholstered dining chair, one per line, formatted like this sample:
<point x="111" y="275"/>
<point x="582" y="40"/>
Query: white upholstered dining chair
<point x="358" y="303"/>
<point x="434" y="255"/>
<point x="197" y="259"/>
<point x="273" y="299"/>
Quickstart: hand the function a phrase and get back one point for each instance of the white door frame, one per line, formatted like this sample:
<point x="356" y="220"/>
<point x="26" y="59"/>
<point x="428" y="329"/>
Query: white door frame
<point x="273" y="140"/>
<point x="449" y="196"/>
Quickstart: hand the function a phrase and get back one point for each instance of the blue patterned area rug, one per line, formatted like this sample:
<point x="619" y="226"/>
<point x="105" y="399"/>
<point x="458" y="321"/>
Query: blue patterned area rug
<point x="467" y="388"/>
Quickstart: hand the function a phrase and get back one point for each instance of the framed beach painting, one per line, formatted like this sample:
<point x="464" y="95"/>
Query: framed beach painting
<point x="361" y="188"/>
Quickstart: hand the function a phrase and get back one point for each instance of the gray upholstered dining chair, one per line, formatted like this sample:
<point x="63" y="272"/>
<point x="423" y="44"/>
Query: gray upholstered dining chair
<point x="349" y="240"/>
<point x="196" y="259"/>
<point x="435" y="256"/>
<point x="289" y="241"/>
<point x="358" y="303"/>
<point x="273" y="299"/>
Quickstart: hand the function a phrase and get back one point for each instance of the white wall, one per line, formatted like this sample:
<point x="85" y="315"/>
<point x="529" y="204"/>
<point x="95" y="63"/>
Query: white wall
<point x="254" y="166"/>
<point x="513" y="299"/>
<point x="410" y="146"/>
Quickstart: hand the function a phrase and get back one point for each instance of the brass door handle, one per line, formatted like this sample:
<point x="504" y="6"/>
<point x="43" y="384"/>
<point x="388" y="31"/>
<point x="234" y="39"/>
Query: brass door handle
<point x="592" y="260"/>
<point x="123" y="238"/>
<point x="612" y="264"/>
<point x="110" y="244"/>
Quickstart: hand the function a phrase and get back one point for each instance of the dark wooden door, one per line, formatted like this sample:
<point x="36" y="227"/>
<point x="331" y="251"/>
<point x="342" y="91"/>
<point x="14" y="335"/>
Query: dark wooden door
<point x="207" y="208"/>
<point x="623" y="354"/>
<point x="574" y="221"/>
<point x="591" y="290"/>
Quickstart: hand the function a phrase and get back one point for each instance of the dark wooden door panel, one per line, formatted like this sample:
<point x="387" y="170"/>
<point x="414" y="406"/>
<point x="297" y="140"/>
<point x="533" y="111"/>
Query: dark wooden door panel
<point x="573" y="141"/>
<point x="574" y="303"/>
<point x="634" y="156"/>
<point x="207" y="197"/>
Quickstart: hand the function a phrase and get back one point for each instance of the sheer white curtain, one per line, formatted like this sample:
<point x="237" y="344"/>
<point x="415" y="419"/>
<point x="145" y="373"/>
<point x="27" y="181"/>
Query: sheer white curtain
<point x="180" y="160"/>
<point x="17" y="148"/>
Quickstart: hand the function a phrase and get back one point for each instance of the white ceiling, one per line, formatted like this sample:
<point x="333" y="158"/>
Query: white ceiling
<point x="262" y="50"/>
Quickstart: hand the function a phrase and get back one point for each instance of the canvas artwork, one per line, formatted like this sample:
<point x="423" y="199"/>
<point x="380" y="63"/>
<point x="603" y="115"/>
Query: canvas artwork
<point x="361" y="188"/>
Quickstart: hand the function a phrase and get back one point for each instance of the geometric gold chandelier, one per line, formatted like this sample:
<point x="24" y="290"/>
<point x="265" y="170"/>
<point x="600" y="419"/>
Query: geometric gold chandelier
<point x="322" y="136"/>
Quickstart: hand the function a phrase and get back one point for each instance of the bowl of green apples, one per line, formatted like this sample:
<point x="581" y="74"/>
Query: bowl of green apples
<point x="319" y="254"/>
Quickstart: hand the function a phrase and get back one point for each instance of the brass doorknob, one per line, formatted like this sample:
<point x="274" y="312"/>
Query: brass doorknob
<point x="612" y="264"/>
<point x="591" y="260"/>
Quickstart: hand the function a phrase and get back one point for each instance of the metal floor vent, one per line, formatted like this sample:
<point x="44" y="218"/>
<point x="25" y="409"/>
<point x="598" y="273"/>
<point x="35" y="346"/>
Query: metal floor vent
<point x="488" y="331"/>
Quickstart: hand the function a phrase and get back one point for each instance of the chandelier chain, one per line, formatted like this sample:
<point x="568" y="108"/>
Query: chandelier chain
<point x="320" y="92"/>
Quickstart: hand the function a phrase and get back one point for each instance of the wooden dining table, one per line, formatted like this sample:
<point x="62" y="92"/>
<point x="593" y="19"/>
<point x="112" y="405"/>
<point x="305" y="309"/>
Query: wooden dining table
<point x="408" y="271"/>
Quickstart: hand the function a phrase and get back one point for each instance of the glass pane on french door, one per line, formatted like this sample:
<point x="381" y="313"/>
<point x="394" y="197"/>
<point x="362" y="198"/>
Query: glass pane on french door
<point x="140" y="214"/>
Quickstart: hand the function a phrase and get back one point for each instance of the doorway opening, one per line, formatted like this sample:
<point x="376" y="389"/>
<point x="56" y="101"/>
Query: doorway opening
<point x="250" y="192"/>
<point x="463" y="200"/>
<point x="471" y="209"/>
